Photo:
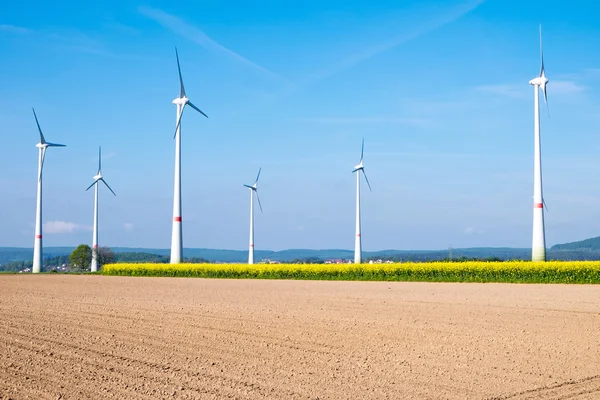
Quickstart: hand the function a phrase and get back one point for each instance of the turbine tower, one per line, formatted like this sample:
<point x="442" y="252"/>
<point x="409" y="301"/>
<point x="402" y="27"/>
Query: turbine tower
<point x="253" y="189"/>
<point x="37" y="247"/>
<point x="97" y="178"/>
<point x="357" y="241"/>
<point x="538" y="248"/>
<point x="177" y="233"/>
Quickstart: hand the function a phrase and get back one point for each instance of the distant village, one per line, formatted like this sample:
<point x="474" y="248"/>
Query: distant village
<point x="329" y="261"/>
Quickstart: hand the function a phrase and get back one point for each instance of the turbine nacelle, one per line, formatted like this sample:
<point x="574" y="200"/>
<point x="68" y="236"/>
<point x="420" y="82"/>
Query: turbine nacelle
<point x="181" y="101"/>
<point x="44" y="145"/>
<point x="254" y="188"/>
<point x="540" y="81"/>
<point x="98" y="177"/>
<point x="360" y="166"/>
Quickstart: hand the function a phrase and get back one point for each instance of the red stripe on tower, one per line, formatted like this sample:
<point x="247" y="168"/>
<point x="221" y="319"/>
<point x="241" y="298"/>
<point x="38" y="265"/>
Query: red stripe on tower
<point x="38" y="236"/>
<point x="177" y="219"/>
<point x="538" y="205"/>
<point x="358" y="235"/>
<point x="95" y="246"/>
<point x="251" y="245"/>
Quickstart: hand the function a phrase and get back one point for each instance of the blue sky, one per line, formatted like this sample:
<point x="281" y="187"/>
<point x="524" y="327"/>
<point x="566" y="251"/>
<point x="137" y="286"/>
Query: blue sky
<point x="438" y="89"/>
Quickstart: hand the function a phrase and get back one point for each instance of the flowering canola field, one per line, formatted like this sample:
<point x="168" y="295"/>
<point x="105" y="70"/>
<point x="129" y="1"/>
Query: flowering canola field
<point x="470" y="271"/>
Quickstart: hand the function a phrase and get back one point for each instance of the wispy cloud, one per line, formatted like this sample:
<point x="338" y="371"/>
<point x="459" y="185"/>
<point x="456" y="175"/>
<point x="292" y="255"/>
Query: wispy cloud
<point x="512" y="177"/>
<point x="61" y="227"/>
<point x="473" y="231"/>
<point x="585" y="75"/>
<point x="592" y="71"/>
<point x="505" y="90"/>
<point x="564" y="84"/>
<point x="196" y="35"/>
<point x="13" y="29"/>
<point x="565" y="87"/>
<point x="105" y="156"/>
<point x="64" y="38"/>
<point x="429" y="154"/>
<point x="113" y="24"/>
<point x="523" y="91"/>
<point x="434" y="20"/>
<point x="368" y="120"/>
<point x="76" y="40"/>
<point x="578" y="200"/>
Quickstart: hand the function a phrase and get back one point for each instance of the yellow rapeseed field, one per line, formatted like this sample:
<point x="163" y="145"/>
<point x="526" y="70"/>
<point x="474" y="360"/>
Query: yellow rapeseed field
<point x="470" y="271"/>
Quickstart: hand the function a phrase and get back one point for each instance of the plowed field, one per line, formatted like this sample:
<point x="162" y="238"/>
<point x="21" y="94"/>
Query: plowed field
<point x="99" y="337"/>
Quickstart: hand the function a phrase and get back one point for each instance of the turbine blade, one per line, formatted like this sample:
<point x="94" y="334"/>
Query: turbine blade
<point x="42" y="168"/>
<point x="181" y="88"/>
<point x="179" y="121"/>
<point x="55" y="145"/>
<point x="99" y="158"/>
<point x="91" y="186"/>
<point x="367" y="179"/>
<point x="197" y="109"/>
<point x="42" y="140"/>
<point x="362" y="150"/>
<point x="258" y="198"/>
<point x="103" y="181"/>
<point x="249" y="187"/>
<point x="544" y="201"/>
<point x="256" y="181"/>
<point x="546" y="101"/>
<point x="541" y="53"/>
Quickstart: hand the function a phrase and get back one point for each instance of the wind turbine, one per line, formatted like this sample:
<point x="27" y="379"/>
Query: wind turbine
<point x="97" y="178"/>
<point x="357" y="242"/>
<point x="538" y="248"/>
<point x="253" y="189"/>
<point x="37" y="247"/>
<point x="177" y="232"/>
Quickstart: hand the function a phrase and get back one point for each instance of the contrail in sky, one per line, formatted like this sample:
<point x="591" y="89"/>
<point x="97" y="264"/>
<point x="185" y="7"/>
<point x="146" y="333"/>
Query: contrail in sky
<point x="434" y="23"/>
<point x="196" y="35"/>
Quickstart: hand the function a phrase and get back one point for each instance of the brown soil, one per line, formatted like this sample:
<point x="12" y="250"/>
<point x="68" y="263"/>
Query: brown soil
<point x="95" y="337"/>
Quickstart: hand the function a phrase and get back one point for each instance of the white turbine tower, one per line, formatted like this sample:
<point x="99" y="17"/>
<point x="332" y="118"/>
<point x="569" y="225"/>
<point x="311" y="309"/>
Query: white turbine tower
<point x="357" y="241"/>
<point x="97" y="178"/>
<point x="177" y="233"/>
<point x="37" y="247"/>
<point x="538" y="248"/>
<point x="253" y="189"/>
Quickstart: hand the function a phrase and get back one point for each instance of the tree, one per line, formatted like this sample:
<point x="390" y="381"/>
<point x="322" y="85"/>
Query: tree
<point x="81" y="258"/>
<point x="141" y="257"/>
<point x="195" y="260"/>
<point x="105" y="256"/>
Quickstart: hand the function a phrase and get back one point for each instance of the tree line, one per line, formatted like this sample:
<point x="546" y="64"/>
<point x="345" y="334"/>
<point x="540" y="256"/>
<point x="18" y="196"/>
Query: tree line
<point x="80" y="260"/>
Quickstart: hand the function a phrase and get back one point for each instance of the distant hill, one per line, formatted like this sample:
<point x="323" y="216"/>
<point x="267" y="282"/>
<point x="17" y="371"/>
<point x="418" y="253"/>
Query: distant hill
<point x="592" y="245"/>
<point x="11" y="254"/>
<point x="588" y="249"/>
<point x="8" y="254"/>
